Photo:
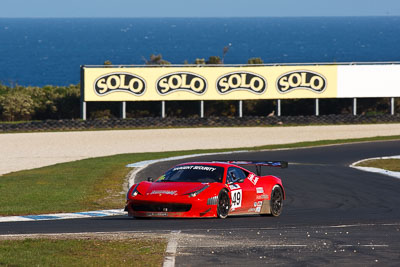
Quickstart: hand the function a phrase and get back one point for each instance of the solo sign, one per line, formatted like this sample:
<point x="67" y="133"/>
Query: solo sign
<point x="119" y="82"/>
<point x="181" y="81"/>
<point x="246" y="81"/>
<point x="206" y="83"/>
<point x="301" y="80"/>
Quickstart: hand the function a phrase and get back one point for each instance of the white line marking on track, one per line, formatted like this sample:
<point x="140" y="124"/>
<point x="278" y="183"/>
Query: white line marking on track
<point x="63" y="216"/>
<point x="169" y="260"/>
<point x="374" y="246"/>
<point x="297" y="227"/>
<point x="377" y="170"/>
<point x="150" y="232"/>
<point x="284" y="246"/>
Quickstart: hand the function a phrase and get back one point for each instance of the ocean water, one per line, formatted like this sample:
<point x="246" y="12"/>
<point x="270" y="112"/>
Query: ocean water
<point x="42" y="52"/>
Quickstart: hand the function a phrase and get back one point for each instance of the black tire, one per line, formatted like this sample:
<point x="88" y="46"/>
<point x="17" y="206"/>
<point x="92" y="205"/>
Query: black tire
<point x="223" y="205"/>
<point x="276" y="201"/>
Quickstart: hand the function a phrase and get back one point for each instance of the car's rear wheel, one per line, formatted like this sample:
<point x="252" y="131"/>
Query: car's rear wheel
<point x="223" y="204"/>
<point x="276" y="201"/>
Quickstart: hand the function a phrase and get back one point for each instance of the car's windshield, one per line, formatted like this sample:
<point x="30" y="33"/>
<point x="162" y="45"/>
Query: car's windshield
<point x="193" y="173"/>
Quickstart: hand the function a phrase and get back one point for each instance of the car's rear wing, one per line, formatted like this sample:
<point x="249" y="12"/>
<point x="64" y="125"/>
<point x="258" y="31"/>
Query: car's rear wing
<point x="259" y="164"/>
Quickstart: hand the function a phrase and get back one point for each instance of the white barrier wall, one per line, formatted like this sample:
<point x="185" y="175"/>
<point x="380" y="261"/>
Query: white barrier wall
<point x="358" y="81"/>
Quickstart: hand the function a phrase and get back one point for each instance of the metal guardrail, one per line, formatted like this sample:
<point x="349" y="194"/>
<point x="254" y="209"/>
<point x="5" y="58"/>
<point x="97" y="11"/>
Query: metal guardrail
<point x="158" y="122"/>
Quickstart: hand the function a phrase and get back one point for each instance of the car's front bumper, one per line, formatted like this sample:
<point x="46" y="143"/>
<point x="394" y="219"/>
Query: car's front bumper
<point x="175" y="208"/>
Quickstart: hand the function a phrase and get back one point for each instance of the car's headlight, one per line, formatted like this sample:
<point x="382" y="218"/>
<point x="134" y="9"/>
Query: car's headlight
<point x="195" y="193"/>
<point x="134" y="192"/>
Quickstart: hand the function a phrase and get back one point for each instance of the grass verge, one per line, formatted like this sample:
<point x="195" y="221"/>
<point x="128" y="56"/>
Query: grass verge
<point x="94" y="183"/>
<point x="386" y="164"/>
<point x="82" y="252"/>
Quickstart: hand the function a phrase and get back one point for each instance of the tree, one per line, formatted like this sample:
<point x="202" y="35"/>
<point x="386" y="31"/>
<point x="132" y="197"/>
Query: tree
<point x="200" y="61"/>
<point x="255" y="60"/>
<point x="107" y="63"/>
<point x="156" y="60"/>
<point x="214" y="60"/>
<point x="224" y="51"/>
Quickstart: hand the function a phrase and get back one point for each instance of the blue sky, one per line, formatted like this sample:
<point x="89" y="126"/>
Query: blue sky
<point x="197" y="8"/>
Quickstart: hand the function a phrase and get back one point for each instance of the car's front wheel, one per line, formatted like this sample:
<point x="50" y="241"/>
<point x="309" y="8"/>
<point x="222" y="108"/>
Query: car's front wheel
<point x="276" y="201"/>
<point x="223" y="204"/>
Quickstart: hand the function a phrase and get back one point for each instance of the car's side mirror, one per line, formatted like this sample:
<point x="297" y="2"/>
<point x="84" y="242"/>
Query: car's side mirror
<point x="150" y="179"/>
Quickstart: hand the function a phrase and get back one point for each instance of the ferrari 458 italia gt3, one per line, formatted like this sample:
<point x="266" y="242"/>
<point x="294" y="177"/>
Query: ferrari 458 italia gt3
<point x="209" y="189"/>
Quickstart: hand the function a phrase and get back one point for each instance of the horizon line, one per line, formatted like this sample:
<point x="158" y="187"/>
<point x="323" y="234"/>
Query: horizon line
<point x="203" y="17"/>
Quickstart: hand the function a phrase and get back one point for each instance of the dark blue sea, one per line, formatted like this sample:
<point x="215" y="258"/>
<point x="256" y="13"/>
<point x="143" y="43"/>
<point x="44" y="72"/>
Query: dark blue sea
<point x="41" y="52"/>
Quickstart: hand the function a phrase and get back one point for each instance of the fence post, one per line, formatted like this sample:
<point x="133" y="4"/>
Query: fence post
<point x="354" y="106"/>
<point x="316" y="107"/>
<point x="202" y="109"/>
<point x="279" y="107"/>
<point x="83" y="110"/>
<point x="83" y="103"/>
<point x="123" y="110"/>
<point x="392" y="106"/>
<point x="163" y="109"/>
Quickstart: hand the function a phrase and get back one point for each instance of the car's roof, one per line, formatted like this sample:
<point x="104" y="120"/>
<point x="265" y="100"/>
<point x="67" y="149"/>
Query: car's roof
<point x="210" y="163"/>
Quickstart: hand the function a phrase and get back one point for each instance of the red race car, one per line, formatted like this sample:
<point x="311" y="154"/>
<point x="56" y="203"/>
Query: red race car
<point x="209" y="189"/>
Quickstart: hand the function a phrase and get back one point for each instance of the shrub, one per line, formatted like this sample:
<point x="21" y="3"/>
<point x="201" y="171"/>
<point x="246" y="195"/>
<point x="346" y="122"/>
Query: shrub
<point x="16" y="106"/>
<point x="255" y="60"/>
<point x="49" y="102"/>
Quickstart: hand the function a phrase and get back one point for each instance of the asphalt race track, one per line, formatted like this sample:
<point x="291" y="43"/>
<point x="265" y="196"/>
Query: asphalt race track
<point x="333" y="215"/>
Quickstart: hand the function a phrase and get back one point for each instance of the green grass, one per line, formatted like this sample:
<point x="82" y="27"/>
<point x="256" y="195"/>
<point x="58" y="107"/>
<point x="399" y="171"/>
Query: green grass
<point x="386" y="164"/>
<point x="82" y="252"/>
<point x="95" y="183"/>
<point x="88" y="184"/>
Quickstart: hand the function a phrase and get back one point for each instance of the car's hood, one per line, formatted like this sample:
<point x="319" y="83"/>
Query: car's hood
<point x="169" y="188"/>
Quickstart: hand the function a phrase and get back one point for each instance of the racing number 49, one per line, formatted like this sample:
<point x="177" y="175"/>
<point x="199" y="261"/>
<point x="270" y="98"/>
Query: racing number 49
<point x="236" y="198"/>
